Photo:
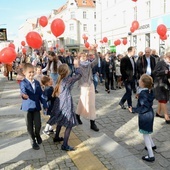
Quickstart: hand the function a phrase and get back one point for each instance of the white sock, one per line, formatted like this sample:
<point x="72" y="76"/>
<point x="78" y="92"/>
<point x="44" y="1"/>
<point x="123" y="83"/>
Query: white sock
<point x="46" y="127"/>
<point x="148" y="144"/>
<point x="152" y="143"/>
<point x="50" y="127"/>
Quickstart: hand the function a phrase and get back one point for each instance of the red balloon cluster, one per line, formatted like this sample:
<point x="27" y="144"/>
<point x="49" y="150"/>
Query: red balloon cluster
<point x="57" y="27"/>
<point x="162" y="30"/>
<point x="34" y="39"/>
<point x="135" y="26"/>
<point x="134" y="0"/>
<point x="43" y="21"/>
<point x="7" y="55"/>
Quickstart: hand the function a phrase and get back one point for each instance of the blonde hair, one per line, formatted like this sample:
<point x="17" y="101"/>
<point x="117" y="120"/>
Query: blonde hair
<point x="63" y="71"/>
<point x="147" y="81"/>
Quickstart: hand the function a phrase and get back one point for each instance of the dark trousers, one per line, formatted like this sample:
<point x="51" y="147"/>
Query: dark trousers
<point x="129" y="85"/>
<point x="33" y="123"/>
<point x="109" y="81"/>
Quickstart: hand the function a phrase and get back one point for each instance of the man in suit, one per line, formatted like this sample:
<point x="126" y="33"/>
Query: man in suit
<point x="128" y="71"/>
<point x="146" y="64"/>
<point x="70" y="62"/>
<point x="31" y="94"/>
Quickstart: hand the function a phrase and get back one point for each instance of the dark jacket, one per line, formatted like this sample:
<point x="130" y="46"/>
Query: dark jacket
<point x="142" y="65"/>
<point x="47" y="94"/>
<point x="126" y="69"/>
<point x="145" y="110"/>
<point x="161" y="83"/>
<point x="35" y="96"/>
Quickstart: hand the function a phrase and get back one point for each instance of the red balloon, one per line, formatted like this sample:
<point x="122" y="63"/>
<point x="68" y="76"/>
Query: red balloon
<point x="161" y="30"/>
<point x="24" y="50"/>
<point x="135" y="25"/>
<point x="87" y="45"/>
<point x="118" y="42"/>
<point x="62" y="50"/>
<point x="134" y="0"/>
<point x="163" y="37"/>
<point x="124" y="41"/>
<point x="105" y="39"/>
<point x="57" y="27"/>
<point x="34" y="39"/>
<point x="57" y="45"/>
<point x="132" y="29"/>
<point x="7" y="55"/>
<point x="43" y="21"/>
<point x="11" y="45"/>
<point x="23" y="43"/>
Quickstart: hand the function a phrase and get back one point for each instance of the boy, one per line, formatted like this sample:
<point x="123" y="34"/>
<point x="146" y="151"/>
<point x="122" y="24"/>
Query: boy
<point x="31" y="94"/>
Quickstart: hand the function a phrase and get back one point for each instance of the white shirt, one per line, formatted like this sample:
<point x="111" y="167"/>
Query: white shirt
<point x="148" y="69"/>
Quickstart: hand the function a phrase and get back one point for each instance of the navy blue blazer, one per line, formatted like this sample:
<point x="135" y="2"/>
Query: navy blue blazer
<point x="35" y="97"/>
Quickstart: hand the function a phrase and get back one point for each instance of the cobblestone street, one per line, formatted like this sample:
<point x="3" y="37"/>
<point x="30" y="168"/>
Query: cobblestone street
<point x="118" y="145"/>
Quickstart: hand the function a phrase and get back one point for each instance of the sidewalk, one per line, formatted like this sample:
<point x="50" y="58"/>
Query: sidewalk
<point x="118" y="145"/>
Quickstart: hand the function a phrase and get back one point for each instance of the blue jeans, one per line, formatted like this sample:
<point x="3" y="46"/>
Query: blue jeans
<point x="54" y="77"/>
<point x="95" y="80"/>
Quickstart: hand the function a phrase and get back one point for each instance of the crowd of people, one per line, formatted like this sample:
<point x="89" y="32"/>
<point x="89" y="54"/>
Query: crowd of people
<point x="49" y="77"/>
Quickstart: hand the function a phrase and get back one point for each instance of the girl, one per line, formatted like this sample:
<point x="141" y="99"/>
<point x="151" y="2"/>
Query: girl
<point x="146" y="114"/>
<point x="86" y="104"/>
<point x="63" y="111"/>
<point x="47" y="82"/>
<point x="52" y="65"/>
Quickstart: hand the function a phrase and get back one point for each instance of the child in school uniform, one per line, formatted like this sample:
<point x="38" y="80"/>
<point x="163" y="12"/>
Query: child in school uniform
<point x="146" y="114"/>
<point x="31" y="94"/>
<point x="63" y="109"/>
<point x="47" y="82"/>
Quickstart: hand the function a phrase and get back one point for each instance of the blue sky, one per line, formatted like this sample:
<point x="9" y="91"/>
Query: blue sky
<point x="14" y="13"/>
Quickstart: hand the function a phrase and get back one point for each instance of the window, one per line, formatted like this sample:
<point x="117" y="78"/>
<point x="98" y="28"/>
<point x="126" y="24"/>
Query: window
<point x="72" y="14"/>
<point x="71" y="27"/>
<point x="71" y="41"/>
<point x="134" y="40"/>
<point x="84" y="27"/>
<point x="94" y="15"/>
<point x="148" y="9"/>
<point x="135" y="12"/>
<point x="95" y="28"/>
<point x="84" y="15"/>
<point x="147" y="40"/>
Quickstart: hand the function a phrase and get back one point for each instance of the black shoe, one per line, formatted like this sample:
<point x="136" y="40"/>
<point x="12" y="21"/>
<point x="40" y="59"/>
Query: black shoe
<point x="148" y="159"/>
<point x="122" y="106"/>
<point x="153" y="148"/>
<point x="67" y="148"/>
<point x="158" y="115"/>
<point x="93" y="126"/>
<point x="78" y="119"/>
<point x="39" y="140"/>
<point x="96" y="91"/>
<point x="167" y="121"/>
<point x="35" y="146"/>
<point x="108" y="91"/>
<point x="58" y="139"/>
